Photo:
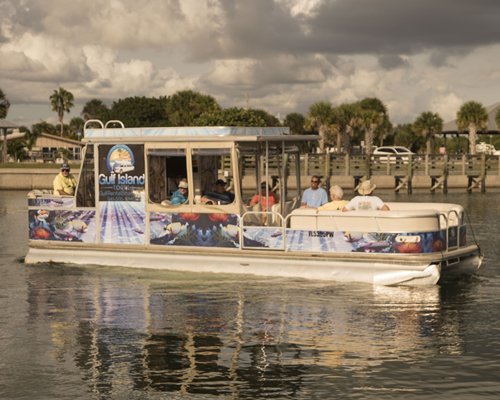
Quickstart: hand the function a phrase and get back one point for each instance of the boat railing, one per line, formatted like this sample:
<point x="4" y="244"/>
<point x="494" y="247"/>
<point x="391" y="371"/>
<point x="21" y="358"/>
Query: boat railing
<point x="263" y="220"/>
<point x="452" y="225"/>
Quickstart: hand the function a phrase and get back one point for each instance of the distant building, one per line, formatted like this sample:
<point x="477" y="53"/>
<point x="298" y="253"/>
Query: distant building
<point x="49" y="147"/>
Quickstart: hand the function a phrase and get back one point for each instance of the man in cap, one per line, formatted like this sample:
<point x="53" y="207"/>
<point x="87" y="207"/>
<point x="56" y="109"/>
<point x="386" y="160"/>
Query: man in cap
<point x="180" y="196"/>
<point x="64" y="183"/>
<point x="366" y="201"/>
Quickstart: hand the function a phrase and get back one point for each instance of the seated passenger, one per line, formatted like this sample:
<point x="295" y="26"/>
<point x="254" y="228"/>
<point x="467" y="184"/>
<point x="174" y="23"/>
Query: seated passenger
<point x="64" y="182"/>
<point x="265" y="203"/>
<point x="219" y="195"/>
<point x="366" y="201"/>
<point x="315" y="196"/>
<point x="336" y="194"/>
<point x="180" y="196"/>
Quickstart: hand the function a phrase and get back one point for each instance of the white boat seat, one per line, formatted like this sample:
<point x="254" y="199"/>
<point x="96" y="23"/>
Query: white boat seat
<point x="365" y="221"/>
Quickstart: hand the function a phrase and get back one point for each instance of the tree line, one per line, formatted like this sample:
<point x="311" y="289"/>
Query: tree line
<point x="344" y="128"/>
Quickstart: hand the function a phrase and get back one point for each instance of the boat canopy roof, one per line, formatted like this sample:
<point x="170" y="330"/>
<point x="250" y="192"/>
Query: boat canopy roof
<point x="195" y="133"/>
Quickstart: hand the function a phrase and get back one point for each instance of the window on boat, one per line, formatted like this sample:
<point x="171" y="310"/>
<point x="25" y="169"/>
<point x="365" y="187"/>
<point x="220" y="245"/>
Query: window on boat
<point x="85" y="194"/>
<point x="212" y="177"/>
<point x="167" y="167"/>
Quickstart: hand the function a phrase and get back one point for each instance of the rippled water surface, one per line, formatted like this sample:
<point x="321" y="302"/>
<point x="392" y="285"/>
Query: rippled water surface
<point x="105" y="333"/>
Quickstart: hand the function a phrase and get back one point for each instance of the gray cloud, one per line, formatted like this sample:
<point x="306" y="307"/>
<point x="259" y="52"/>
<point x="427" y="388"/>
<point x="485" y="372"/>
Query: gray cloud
<point x="282" y="54"/>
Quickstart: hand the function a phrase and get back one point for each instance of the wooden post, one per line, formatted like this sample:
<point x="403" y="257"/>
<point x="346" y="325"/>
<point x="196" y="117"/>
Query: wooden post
<point x="483" y="172"/>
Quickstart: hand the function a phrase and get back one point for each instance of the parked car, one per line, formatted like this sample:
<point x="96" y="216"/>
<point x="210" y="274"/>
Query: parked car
<point x="489" y="149"/>
<point x="392" y="153"/>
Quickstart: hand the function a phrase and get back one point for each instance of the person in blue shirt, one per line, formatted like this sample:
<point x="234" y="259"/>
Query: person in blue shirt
<point x="180" y="196"/>
<point x="315" y="196"/>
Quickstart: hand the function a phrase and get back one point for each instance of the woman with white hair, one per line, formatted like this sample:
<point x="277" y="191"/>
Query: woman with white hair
<point x="336" y="194"/>
<point x="366" y="201"/>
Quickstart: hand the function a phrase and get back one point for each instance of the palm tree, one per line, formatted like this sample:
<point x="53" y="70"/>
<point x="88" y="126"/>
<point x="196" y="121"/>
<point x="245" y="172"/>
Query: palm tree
<point x="4" y="109"/>
<point x="345" y="118"/>
<point x="61" y="101"/>
<point x="471" y="116"/>
<point x="373" y="117"/>
<point x="320" y="118"/>
<point x="428" y="124"/>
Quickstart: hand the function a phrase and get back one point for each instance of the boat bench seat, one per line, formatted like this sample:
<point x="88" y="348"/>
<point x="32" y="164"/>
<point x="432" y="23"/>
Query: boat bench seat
<point x="453" y="212"/>
<point x="366" y="221"/>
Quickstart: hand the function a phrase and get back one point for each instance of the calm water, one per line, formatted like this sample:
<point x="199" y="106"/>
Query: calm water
<point x="103" y="333"/>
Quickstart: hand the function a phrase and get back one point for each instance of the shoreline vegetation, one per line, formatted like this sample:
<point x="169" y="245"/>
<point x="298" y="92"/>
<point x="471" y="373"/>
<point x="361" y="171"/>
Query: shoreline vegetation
<point x="361" y="124"/>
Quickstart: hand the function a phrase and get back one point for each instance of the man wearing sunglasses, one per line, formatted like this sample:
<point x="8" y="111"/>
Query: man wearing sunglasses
<point x="315" y="196"/>
<point x="64" y="182"/>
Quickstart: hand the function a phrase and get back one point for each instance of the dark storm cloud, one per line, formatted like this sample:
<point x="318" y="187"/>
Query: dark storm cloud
<point x="250" y="29"/>
<point x="392" y="26"/>
<point x="260" y="27"/>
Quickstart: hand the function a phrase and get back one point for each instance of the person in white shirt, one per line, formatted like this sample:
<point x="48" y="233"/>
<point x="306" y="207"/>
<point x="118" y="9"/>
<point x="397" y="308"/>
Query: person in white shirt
<point x="366" y="201"/>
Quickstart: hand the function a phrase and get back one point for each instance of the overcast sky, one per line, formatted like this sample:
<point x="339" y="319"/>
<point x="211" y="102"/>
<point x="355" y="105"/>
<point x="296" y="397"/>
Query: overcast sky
<point x="278" y="55"/>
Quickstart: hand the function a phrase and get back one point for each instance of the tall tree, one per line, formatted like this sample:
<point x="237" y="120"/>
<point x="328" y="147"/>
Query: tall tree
<point x="296" y="122"/>
<point x="43" y="127"/>
<point x="61" y="101"/>
<point x="233" y="116"/>
<point x="4" y="109"/>
<point x="76" y="128"/>
<point x="140" y="111"/>
<point x="372" y="117"/>
<point x="471" y="117"/>
<point x="405" y="135"/>
<point x="320" y="118"/>
<point x="95" y="109"/>
<point x="184" y="107"/>
<point x="345" y="118"/>
<point x="29" y="137"/>
<point x="428" y="124"/>
<point x="17" y="149"/>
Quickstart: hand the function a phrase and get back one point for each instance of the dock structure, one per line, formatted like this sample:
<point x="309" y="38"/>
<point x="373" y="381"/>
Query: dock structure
<point x="438" y="169"/>
<point x="432" y="172"/>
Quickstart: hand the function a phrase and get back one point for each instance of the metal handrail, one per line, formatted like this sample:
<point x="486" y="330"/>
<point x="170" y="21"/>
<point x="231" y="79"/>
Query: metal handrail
<point x="114" y="121"/>
<point x="97" y="121"/>
<point x="270" y="215"/>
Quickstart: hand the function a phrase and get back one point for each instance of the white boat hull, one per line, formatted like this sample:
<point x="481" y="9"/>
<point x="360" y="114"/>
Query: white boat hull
<point x="368" y="268"/>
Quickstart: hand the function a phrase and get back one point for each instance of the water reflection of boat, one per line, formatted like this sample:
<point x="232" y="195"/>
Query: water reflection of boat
<point x="232" y="340"/>
<point x="130" y="220"/>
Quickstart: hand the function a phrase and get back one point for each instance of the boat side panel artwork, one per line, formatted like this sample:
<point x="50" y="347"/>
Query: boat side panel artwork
<point x="62" y="225"/>
<point x="344" y="241"/>
<point x="121" y="194"/>
<point x="122" y="222"/>
<point x="194" y="229"/>
<point x="52" y="202"/>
